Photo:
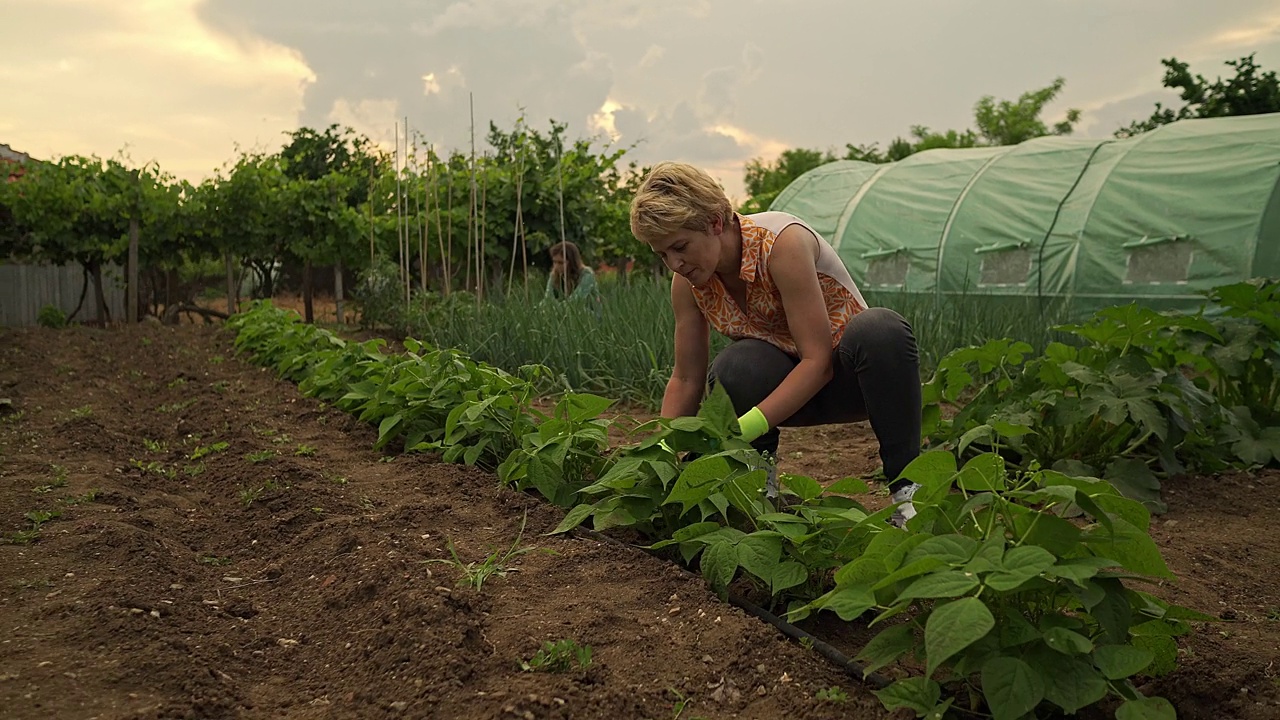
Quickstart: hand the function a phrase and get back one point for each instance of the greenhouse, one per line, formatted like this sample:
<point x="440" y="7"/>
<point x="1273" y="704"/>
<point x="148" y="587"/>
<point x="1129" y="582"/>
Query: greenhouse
<point x="1158" y="218"/>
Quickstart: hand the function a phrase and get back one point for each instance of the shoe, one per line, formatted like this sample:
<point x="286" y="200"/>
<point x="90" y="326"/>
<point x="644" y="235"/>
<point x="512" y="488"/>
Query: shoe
<point x="904" y="510"/>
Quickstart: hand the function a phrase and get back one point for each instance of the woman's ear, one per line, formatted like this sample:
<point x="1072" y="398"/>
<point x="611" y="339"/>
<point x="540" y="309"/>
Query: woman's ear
<point x="717" y="226"/>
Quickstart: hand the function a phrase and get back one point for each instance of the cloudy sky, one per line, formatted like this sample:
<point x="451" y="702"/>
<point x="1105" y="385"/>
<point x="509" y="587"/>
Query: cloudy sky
<point x="713" y="82"/>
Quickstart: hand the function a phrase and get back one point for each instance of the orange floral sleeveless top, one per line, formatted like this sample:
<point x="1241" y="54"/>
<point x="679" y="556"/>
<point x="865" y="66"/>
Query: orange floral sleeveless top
<point x="764" y="318"/>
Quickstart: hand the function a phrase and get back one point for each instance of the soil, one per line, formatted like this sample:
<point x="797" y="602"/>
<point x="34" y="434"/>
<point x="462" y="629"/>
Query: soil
<point x="288" y="574"/>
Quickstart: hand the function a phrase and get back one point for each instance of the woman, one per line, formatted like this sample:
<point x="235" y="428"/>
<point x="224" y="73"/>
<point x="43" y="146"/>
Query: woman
<point x="807" y="350"/>
<point x="570" y="278"/>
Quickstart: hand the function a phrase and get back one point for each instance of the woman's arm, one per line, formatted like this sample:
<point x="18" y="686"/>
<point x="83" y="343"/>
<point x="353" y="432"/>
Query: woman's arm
<point x="793" y="267"/>
<point x="689" y="377"/>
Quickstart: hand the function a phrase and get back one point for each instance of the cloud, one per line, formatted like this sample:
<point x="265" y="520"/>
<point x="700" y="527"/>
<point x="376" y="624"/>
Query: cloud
<point x="95" y="78"/>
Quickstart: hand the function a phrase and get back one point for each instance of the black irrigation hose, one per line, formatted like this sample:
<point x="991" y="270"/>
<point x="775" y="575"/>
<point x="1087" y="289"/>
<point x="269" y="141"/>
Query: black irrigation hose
<point x="874" y="680"/>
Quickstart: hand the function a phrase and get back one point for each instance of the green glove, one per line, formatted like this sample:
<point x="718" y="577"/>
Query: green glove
<point x="753" y="424"/>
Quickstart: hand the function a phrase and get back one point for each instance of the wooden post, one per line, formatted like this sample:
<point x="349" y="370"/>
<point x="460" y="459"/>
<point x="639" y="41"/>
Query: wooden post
<point x="233" y="294"/>
<point x="308" y="308"/>
<point x="337" y="291"/>
<point x="131" y="294"/>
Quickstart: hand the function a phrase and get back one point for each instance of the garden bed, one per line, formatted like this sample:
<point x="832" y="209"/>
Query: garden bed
<point x="283" y="575"/>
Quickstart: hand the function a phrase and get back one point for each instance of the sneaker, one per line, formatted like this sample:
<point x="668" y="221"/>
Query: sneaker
<point x="904" y="510"/>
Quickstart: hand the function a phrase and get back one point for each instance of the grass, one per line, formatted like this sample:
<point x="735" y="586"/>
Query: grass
<point x="497" y="564"/>
<point x="625" y="349"/>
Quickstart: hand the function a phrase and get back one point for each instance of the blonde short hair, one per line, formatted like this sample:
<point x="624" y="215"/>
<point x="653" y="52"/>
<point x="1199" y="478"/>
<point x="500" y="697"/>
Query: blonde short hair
<point x="675" y="196"/>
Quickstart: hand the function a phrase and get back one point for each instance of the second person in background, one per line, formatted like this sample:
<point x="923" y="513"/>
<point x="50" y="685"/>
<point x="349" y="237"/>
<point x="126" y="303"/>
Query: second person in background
<point x="570" y="278"/>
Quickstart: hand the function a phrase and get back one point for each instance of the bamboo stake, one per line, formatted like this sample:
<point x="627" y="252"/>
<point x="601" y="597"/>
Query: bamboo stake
<point x="515" y="234"/>
<point x="395" y="159"/>
<point x="423" y="223"/>
<point x="431" y="178"/>
<point x="564" y="277"/>
<point x="480" y="264"/>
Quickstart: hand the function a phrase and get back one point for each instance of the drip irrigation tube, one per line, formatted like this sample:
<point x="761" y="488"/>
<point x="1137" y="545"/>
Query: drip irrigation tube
<point x="855" y="670"/>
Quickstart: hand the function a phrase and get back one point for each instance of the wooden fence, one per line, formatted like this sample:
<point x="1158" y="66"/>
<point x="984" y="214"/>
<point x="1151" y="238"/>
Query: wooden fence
<point x="25" y="289"/>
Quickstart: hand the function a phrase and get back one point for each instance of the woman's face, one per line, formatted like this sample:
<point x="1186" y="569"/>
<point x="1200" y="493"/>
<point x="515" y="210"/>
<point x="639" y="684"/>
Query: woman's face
<point x="691" y="253"/>
<point x="557" y="264"/>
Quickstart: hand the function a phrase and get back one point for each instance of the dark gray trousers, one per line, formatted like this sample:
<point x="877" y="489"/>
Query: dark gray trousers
<point x="876" y="377"/>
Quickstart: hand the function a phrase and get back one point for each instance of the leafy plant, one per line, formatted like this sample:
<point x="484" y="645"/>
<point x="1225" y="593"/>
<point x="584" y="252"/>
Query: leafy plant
<point x="51" y="316"/>
<point x="1005" y="601"/>
<point x="260" y="456"/>
<point x="305" y="450"/>
<point x="833" y="694"/>
<point x="206" y="450"/>
<point x="558" y="657"/>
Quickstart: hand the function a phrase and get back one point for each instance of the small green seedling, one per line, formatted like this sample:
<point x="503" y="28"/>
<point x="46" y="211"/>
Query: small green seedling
<point x="203" y="450"/>
<point x="559" y="656"/>
<point x="83" y="411"/>
<point x="833" y="694"/>
<point x="260" y="456"/>
<point x="155" y="446"/>
<point x="304" y="450"/>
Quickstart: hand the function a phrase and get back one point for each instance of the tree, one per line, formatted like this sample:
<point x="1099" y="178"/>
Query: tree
<point x="1250" y="92"/>
<point x="1003" y="122"/>
<point x="764" y="180"/>
<point x="1010" y="123"/>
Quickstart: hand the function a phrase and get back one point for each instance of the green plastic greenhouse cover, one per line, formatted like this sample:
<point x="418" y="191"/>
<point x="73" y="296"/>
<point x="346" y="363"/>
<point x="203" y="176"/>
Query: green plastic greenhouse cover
<point x="1159" y="218"/>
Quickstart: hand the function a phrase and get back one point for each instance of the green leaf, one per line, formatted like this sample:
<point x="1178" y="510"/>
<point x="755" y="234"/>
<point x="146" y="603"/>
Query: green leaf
<point x="1163" y="648"/>
<point x="1012" y="688"/>
<point x="1114" y="614"/>
<point x="1079" y="570"/>
<point x="759" y="552"/>
<point x="807" y="488"/>
<point x="717" y="410"/>
<point x="948" y="584"/>
<point x="850" y="602"/>
<point x="954" y="626"/>
<point x="387" y="429"/>
<point x="1069" y="682"/>
<point x="990" y="555"/>
<point x="573" y="518"/>
<point x="1020" y="564"/>
<point x="983" y="473"/>
<point x="951" y="549"/>
<point x="933" y="467"/>
<point x="719" y="564"/>
<point x="919" y="694"/>
<point x="689" y="424"/>
<point x="867" y="570"/>
<point x="582" y="406"/>
<point x="910" y="570"/>
<point x="1151" y="708"/>
<point x="1132" y="548"/>
<point x="891" y="644"/>
<point x="701" y="479"/>
<point x="1135" y="480"/>
<point x="1067" y="642"/>
<point x="1118" y="662"/>
<point x="1016" y="630"/>
<point x="787" y="575"/>
<point x="848" y="486"/>
<point x="689" y="532"/>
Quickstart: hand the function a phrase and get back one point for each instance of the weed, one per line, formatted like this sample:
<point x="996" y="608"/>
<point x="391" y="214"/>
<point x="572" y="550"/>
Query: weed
<point x="220" y="387"/>
<point x="806" y="642"/>
<point x="194" y="470"/>
<point x="387" y="459"/>
<point x="318" y="510"/>
<point x="88" y="497"/>
<point x="248" y="495"/>
<point x="146" y="342"/>
<point x="216" y="360"/>
<point x="176" y="382"/>
<point x="1273" y="614"/>
<point x="282" y="439"/>
<point x="83" y="411"/>
<point x="59" y="481"/>
<point x="366" y="503"/>
<point x="40" y="517"/>
<point x="497" y="564"/>
<point x="12" y="418"/>
<point x="204" y="450"/>
<point x="177" y="406"/>
<point x="155" y="446"/>
<point x="214" y="560"/>
<point x="304" y="451"/>
<point x="559" y="656"/>
<point x="260" y="456"/>
<point x="336" y="479"/>
<point x="833" y="694"/>
<point x="165" y="471"/>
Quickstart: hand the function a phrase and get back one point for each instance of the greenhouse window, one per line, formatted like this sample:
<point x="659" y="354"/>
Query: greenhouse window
<point x="887" y="267"/>
<point x="1006" y="264"/>
<point x="1159" y="261"/>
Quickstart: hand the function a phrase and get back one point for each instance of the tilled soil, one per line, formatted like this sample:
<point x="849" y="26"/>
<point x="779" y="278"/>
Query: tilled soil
<point x="286" y="574"/>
